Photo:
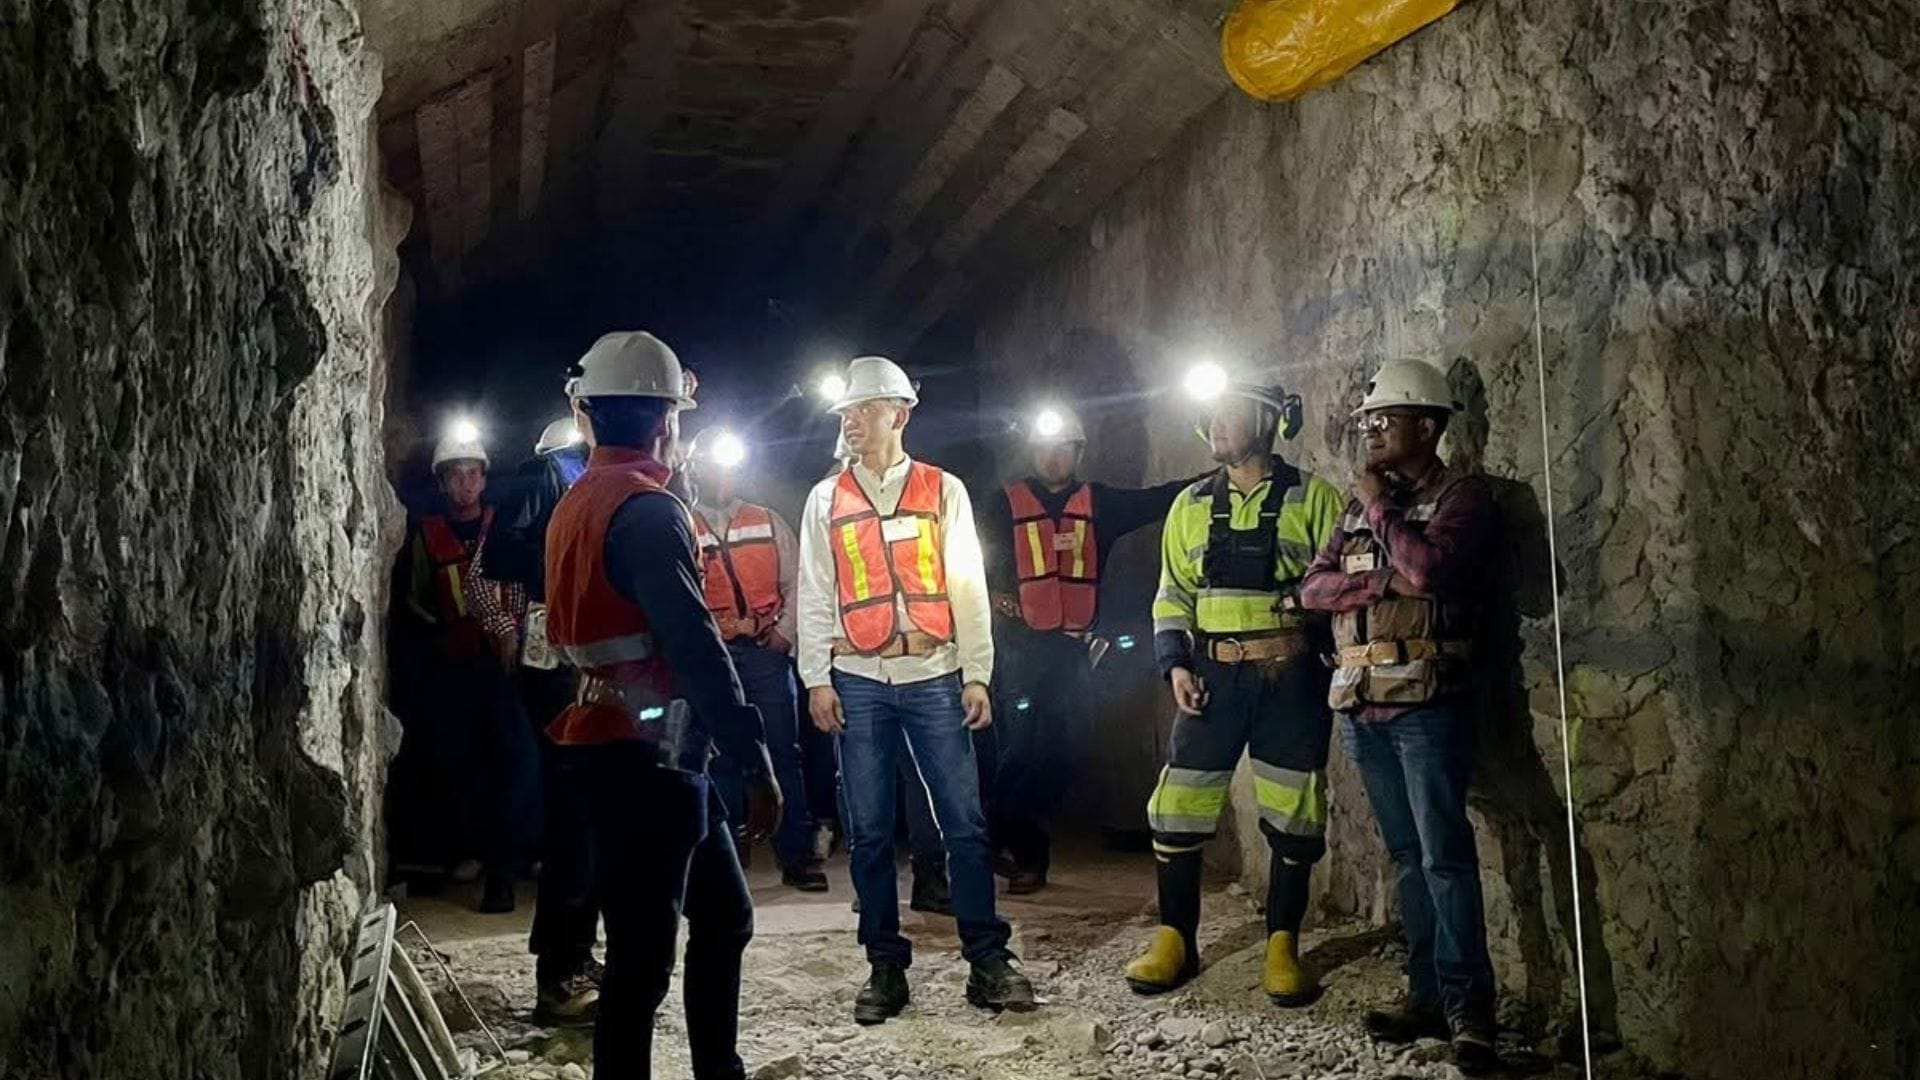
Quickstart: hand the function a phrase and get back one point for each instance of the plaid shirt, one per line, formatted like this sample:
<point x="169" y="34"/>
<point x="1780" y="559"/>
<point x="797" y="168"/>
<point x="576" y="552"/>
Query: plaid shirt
<point x="502" y="605"/>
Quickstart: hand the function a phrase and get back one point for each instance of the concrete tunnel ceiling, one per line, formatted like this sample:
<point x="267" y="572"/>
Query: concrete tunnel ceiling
<point x="866" y="166"/>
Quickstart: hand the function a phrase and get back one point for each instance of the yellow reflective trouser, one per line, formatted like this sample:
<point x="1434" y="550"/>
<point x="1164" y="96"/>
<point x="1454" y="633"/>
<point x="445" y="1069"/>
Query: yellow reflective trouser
<point x="1282" y="722"/>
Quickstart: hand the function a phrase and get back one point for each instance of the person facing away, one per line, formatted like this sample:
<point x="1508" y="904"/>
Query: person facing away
<point x="896" y="653"/>
<point x="657" y="695"/>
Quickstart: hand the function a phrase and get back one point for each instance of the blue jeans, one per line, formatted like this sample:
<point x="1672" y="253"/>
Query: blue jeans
<point x="928" y="717"/>
<point x="1416" y="768"/>
<point x="767" y="678"/>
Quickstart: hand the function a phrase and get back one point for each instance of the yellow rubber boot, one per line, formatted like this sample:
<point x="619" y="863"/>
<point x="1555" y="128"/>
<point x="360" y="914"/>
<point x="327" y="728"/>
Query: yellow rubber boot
<point x="1290" y="983"/>
<point x="1164" y="966"/>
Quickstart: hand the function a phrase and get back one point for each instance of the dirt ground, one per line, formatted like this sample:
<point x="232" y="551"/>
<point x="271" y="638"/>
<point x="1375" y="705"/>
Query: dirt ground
<point x="804" y="968"/>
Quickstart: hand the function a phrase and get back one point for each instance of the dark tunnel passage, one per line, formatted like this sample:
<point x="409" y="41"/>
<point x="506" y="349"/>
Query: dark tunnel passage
<point x="259" y="260"/>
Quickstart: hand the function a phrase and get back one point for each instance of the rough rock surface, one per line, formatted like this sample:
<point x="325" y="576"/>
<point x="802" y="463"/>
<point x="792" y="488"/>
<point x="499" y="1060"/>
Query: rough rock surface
<point x="1725" y="200"/>
<point x="195" y="522"/>
<point x="804" y="967"/>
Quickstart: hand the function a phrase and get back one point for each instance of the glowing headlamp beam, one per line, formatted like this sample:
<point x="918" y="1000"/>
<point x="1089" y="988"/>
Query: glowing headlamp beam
<point x="1206" y="381"/>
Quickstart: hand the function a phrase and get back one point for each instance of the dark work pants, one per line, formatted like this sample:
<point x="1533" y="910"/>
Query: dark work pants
<point x="767" y="677"/>
<point x="661" y="850"/>
<point x="1416" y="768"/>
<point x="483" y="763"/>
<point x="1038" y="721"/>
<point x="1278" y="717"/>
<point x="566" y="911"/>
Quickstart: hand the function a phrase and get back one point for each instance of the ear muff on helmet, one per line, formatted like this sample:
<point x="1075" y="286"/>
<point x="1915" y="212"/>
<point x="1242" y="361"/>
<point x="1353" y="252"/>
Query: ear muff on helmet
<point x="1292" y="417"/>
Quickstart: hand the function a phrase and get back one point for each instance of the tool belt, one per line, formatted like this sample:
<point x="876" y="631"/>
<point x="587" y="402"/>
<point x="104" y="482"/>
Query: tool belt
<point x="911" y="643"/>
<point x="1281" y="648"/>
<point x="1382" y="653"/>
<point x="666" y="727"/>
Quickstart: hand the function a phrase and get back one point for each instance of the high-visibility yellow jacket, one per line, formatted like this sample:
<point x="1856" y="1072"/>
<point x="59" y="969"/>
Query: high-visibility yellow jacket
<point x="1191" y="602"/>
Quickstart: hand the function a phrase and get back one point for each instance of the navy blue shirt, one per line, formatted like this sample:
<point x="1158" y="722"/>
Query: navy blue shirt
<point x="651" y="560"/>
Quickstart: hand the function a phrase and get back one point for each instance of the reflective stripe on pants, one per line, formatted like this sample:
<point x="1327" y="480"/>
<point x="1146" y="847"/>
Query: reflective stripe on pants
<point x="1281" y="721"/>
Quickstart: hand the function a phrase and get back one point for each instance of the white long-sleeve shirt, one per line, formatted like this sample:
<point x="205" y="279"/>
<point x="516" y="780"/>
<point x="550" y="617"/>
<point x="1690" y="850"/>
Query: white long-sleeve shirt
<point x="970" y="652"/>
<point x="720" y="519"/>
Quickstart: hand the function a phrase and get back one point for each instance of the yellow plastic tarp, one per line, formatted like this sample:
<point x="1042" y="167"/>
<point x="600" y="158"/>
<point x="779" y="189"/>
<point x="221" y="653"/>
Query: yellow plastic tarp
<point x="1277" y="50"/>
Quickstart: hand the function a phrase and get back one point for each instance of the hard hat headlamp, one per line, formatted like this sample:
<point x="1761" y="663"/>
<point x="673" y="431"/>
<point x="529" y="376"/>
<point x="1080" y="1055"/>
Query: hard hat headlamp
<point x="729" y="451"/>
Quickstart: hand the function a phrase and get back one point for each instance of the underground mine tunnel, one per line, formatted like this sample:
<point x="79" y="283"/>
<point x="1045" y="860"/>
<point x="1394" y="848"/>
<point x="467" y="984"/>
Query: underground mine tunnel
<point x="261" y="257"/>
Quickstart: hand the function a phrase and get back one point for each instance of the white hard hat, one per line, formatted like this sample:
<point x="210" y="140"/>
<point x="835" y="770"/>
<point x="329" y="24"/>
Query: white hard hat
<point x="631" y="363"/>
<point x="557" y="435"/>
<point x="1054" y="425"/>
<point x="872" y="378"/>
<point x="1408" y="383"/>
<point x="455" y="448"/>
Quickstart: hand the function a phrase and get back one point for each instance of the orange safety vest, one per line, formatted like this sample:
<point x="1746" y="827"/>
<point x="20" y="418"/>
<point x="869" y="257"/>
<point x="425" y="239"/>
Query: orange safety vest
<point x="595" y="628"/>
<point x="1056" y="560"/>
<point x="741" y="570"/>
<point x="881" y="560"/>
<point x="451" y="558"/>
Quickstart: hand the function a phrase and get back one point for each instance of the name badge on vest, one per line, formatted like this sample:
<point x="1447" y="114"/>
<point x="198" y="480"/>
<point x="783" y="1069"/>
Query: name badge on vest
<point x="1064" y="542"/>
<point x="1361" y="564"/>
<point x="900" y="528"/>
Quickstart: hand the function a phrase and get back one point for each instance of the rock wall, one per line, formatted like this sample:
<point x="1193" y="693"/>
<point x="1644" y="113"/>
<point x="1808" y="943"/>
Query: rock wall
<point x="192" y="267"/>
<point x="1716" y="208"/>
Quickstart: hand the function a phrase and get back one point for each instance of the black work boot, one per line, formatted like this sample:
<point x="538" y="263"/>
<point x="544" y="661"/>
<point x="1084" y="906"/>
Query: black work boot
<point x="930" y="893"/>
<point x="804" y="876"/>
<point x="884" y="995"/>
<point x="1408" y="1022"/>
<point x="1026" y="882"/>
<point x="568" y="1001"/>
<point x="1473" y="1042"/>
<point x="997" y="984"/>
<point x="497" y="897"/>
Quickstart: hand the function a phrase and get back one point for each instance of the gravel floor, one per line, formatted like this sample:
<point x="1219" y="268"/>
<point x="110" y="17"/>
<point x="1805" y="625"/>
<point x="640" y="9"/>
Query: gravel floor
<point x="804" y="968"/>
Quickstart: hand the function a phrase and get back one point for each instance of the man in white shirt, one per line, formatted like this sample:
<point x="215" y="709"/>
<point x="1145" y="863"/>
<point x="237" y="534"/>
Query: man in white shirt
<point x="896" y="651"/>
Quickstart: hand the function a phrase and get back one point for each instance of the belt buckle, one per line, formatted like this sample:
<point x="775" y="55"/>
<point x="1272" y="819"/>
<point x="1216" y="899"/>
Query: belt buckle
<point x="1239" y="650"/>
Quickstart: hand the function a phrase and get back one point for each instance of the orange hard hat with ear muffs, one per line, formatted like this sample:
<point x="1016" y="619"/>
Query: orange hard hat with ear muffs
<point x="1289" y="414"/>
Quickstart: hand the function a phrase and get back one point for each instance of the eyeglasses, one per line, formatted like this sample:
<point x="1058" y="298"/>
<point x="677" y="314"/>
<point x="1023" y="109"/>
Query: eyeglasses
<point x="1379" y="422"/>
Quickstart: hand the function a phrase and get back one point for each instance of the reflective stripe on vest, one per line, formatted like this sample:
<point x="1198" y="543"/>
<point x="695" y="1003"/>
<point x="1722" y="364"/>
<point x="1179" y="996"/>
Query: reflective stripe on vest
<point x="1219" y="610"/>
<point x="1414" y="676"/>
<point x="450" y="557"/>
<point x="588" y="621"/>
<point x="741" y="573"/>
<point x="1057" y="560"/>
<point x="885" y="562"/>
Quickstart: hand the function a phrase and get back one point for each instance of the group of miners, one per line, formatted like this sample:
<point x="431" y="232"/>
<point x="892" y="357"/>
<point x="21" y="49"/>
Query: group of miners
<point x="658" y="629"/>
